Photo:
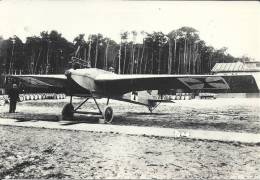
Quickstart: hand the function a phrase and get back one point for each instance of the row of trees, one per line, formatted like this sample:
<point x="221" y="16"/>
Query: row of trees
<point x="180" y="51"/>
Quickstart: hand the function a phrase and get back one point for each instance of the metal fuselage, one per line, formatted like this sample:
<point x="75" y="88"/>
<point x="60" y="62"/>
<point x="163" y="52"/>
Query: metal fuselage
<point x="86" y="78"/>
<point x="82" y="83"/>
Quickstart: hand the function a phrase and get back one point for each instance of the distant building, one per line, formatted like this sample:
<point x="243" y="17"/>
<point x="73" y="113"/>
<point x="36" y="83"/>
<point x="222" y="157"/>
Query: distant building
<point x="234" y="68"/>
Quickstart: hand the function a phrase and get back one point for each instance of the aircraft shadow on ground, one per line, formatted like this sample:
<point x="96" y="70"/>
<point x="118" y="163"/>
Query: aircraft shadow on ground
<point x="24" y="117"/>
<point x="146" y="113"/>
<point x="93" y="119"/>
<point x="129" y="120"/>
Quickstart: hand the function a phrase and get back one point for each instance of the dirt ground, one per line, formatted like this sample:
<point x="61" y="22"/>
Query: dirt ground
<point x="49" y="153"/>
<point x="46" y="153"/>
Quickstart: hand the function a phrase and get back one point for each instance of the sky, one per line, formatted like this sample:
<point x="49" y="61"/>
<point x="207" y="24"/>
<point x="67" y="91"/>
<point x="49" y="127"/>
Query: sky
<point x="232" y="24"/>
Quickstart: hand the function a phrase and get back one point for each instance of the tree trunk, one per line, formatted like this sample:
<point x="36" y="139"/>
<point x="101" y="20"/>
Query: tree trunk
<point x="132" y="60"/>
<point x="159" y="61"/>
<point x="89" y="51"/>
<point x="37" y="60"/>
<point x="175" y="51"/>
<point x="138" y="56"/>
<point x="198" y="64"/>
<point x="47" y="61"/>
<point x="152" y="64"/>
<point x="141" y="60"/>
<point x="170" y="57"/>
<point x="85" y="54"/>
<point x="190" y="59"/>
<point x="145" y="64"/>
<point x="106" y="68"/>
<point x="96" y="55"/>
<point x="179" y="65"/>
<point x="32" y="62"/>
<point x="119" y="59"/>
<point x="184" y="57"/>
<point x="124" y="63"/>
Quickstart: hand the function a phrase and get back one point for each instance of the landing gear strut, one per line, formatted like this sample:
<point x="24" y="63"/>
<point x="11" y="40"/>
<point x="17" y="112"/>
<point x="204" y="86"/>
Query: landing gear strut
<point x="68" y="110"/>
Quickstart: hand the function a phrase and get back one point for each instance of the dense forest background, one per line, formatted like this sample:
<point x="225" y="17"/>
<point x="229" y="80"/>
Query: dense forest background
<point x="180" y="51"/>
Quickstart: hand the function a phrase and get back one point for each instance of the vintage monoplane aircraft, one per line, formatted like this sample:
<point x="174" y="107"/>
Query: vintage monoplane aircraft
<point x="96" y="83"/>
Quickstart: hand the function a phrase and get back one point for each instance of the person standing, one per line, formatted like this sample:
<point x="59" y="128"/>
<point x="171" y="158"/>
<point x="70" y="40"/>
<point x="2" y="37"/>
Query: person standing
<point x="13" y="95"/>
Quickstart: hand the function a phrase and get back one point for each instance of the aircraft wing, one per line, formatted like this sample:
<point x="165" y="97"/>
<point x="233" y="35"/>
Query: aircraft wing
<point x="116" y="84"/>
<point x="40" y="83"/>
<point x="106" y="83"/>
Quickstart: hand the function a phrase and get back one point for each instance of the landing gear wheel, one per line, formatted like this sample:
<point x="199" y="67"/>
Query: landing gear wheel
<point x="108" y="114"/>
<point x="67" y="112"/>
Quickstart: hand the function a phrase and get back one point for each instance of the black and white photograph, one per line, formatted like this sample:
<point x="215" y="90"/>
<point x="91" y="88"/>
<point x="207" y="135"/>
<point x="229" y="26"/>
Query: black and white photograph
<point x="129" y="89"/>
